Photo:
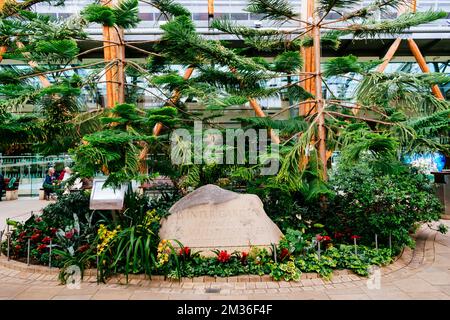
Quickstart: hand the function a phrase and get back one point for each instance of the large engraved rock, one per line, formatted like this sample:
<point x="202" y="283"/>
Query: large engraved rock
<point x="213" y="218"/>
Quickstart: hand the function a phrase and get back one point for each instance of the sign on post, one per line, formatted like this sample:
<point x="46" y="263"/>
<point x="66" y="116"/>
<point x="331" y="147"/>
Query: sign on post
<point x="106" y="198"/>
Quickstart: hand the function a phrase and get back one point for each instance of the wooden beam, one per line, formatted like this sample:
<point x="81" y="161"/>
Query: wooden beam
<point x="423" y="66"/>
<point x="260" y="113"/>
<point x="43" y="79"/>
<point x="389" y="55"/>
<point x="174" y="100"/>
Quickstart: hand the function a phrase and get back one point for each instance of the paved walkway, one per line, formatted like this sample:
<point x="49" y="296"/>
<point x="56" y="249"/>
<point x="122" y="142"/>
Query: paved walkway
<point x="19" y="209"/>
<point x="422" y="273"/>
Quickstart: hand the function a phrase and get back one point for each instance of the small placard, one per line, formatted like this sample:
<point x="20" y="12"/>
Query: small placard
<point x="106" y="198"/>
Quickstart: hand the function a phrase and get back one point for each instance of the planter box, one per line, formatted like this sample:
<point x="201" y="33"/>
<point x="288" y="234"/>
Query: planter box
<point x="12" y="194"/>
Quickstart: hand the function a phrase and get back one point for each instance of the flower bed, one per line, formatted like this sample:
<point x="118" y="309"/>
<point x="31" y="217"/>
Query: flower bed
<point x="87" y="239"/>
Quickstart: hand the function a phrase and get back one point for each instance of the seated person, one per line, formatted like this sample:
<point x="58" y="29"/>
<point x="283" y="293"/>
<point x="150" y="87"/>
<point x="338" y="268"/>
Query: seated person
<point x="49" y="183"/>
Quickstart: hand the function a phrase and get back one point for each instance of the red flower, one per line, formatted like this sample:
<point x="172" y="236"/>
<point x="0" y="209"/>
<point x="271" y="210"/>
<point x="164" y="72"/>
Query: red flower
<point x="319" y="237"/>
<point x="223" y="256"/>
<point x="22" y="234"/>
<point x="338" y="235"/>
<point x="244" y="257"/>
<point x="186" y="252"/>
<point x="69" y="234"/>
<point x="38" y="219"/>
<point x="284" y="253"/>
<point x="326" y="238"/>
<point x="355" y="237"/>
<point x="42" y="247"/>
<point x="53" y="230"/>
<point x="35" y="237"/>
<point x="46" y="240"/>
<point x="83" y="248"/>
<point x="18" y="247"/>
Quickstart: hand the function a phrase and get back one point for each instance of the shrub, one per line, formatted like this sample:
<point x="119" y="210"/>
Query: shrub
<point x="369" y="203"/>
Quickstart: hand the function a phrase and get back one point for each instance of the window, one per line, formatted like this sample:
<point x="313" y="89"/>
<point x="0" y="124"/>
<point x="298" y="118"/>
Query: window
<point x="200" y="16"/>
<point x="146" y="16"/>
<point x="239" y="16"/>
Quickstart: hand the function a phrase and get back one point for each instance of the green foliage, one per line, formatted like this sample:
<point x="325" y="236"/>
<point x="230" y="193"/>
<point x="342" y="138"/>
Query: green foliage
<point x="342" y="65"/>
<point x="271" y="9"/>
<point x="289" y="126"/>
<point x="129" y="252"/>
<point x="405" y="92"/>
<point x="325" y="6"/>
<point x="98" y="13"/>
<point x="170" y="7"/>
<point x="21" y="130"/>
<point x="56" y="50"/>
<point x="61" y="213"/>
<point x="182" y="44"/>
<point x="288" y="62"/>
<point x="356" y="140"/>
<point x="368" y="202"/>
<point x="404" y="21"/>
<point x="125" y="14"/>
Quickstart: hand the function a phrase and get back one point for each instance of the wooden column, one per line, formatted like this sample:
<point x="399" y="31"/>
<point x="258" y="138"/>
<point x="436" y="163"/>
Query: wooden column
<point x="210" y="11"/>
<point x="107" y="53"/>
<point x="319" y="102"/>
<point x="2" y="51"/>
<point x="309" y="65"/>
<point x="114" y="50"/>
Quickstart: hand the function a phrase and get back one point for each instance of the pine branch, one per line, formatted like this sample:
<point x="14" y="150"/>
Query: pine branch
<point x="169" y="8"/>
<point x="181" y="43"/>
<point x="325" y="6"/>
<point x="127" y="14"/>
<point x="229" y="26"/>
<point x="342" y="65"/>
<point x="272" y="9"/>
<point x="405" y="21"/>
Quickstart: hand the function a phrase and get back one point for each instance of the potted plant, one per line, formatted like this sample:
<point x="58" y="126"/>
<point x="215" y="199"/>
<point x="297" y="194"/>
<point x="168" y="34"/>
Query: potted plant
<point x="12" y="189"/>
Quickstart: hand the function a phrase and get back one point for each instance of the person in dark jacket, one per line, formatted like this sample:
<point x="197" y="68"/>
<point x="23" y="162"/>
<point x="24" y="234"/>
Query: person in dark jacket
<point x="2" y="185"/>
<point x="49" y="185"/>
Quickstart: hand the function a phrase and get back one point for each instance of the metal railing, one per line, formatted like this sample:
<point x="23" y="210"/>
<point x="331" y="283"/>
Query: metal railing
<point x="30" y="169"/>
